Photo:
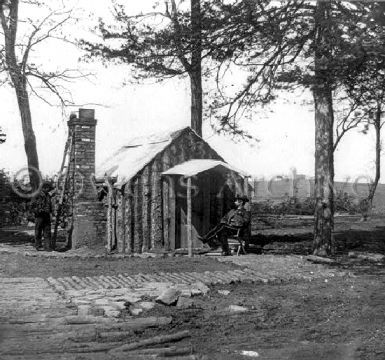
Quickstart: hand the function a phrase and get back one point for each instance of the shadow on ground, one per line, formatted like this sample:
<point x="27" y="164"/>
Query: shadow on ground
<point x="368" y="240"/>
<point x="16" y="235"/>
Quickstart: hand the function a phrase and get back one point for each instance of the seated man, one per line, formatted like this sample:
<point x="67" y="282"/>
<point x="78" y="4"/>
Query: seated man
<point x="236" y="219"/>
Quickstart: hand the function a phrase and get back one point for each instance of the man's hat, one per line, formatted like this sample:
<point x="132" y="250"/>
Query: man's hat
<point x="243" y="198"/>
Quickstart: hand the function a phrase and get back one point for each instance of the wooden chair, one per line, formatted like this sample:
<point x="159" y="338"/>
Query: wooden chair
<point x="241" y="239"/>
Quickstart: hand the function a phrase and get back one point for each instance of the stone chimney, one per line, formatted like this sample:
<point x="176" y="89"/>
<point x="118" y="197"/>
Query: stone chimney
<point x="89" y="222"/>
<point x="83" y="128"/>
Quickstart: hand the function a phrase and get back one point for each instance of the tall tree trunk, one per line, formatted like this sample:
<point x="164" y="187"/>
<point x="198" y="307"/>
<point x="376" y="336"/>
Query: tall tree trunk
<point x="373" y="185"/>
<point x="324" y="161"/>
<point x="29" y="134"/>
<point x="16" y="71"/>
<point x="196" y="68"/>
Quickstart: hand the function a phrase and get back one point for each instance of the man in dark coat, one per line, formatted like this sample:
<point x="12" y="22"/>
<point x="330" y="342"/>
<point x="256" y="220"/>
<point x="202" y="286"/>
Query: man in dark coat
<point x="364" y="208"/>
<point x="235" y="220"/>
<point x="42" y="208"/>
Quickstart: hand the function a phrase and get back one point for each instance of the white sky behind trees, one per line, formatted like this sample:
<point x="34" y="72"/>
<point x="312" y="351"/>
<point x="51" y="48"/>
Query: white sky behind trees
<point x="285" y="130"/>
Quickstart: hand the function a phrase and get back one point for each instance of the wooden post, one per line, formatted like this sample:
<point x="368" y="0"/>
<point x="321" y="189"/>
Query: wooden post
<point x="206" y="196"/>
<point x="138" y="218"/>
<point x="246" y="186"/>
<point x="123" y="223"/>
<point x="189" y="210"/>
<point x="156" y="206"/>
<point x="119" y="221"/>
<point x="246" y="191"/>
<point x="146" y="209"/>
<point x="172" y="211"/>
<point x="130" y="217"/>
<point x="110" y="229"/>
<point x="166" y="213"/>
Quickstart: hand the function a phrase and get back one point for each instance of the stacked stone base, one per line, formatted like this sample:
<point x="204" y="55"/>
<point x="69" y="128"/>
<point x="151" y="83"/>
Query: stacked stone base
<point x="89" y="225"/>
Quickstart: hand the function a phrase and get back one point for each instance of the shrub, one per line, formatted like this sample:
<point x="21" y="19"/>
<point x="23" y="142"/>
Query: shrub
<point x="14" y="209"/>
<point x="294" y="206"/>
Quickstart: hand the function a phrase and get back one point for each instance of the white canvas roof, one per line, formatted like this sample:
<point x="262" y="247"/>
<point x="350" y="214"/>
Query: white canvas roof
<point x="197" y="166"/>
<point x="126" y="162"/>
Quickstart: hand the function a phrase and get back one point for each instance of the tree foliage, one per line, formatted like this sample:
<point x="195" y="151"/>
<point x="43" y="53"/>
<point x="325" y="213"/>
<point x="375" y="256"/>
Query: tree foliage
<point x="275" y="47"/>
<point x="312" y="45"/>
<point x="366" y="87"/>
<point x="277" y="52"/>
<point x="165" y="43"/>
<point x="159" y="44"/>
<point x="176" y="40"/>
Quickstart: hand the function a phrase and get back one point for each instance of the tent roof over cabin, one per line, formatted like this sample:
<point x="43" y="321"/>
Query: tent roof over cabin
<point x="127" y="161"/>
<point x="138" y="152"/>
<point x="197" y="166"/>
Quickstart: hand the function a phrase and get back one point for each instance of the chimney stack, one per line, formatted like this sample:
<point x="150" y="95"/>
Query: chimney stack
<point x="89" y="223"/>
<point x="83" y="128"/>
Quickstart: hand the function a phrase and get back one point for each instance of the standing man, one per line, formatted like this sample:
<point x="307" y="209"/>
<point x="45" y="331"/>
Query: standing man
<point x="364" y="208"/>
<point x="42" y="208"/>
<point x="235" y="220"/>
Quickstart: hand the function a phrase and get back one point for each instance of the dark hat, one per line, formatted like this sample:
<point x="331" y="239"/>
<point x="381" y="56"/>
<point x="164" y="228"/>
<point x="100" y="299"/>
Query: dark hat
<point x="243" y="198"/>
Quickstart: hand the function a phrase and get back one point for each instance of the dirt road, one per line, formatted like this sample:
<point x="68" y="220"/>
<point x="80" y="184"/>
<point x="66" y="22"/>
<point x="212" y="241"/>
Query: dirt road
<point x="304" y="310"/>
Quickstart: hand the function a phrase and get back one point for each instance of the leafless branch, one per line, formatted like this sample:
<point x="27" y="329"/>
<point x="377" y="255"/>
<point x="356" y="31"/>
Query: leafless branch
<point x="49" y="81"/>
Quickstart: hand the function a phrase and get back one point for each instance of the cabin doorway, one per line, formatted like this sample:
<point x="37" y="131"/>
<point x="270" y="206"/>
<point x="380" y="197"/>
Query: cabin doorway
<point x="211" y="199"/>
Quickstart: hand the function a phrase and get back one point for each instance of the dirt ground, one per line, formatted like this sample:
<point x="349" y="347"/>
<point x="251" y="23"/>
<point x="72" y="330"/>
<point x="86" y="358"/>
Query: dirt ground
<point x="12" y="265"/>
<point x="340" y="319"/>
<point x="324" y="319"/>
<point x="18" y="265"/>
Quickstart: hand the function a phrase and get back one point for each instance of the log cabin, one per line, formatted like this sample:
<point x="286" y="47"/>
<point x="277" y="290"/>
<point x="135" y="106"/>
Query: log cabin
<point x="167" y="189"/>
<point x="163" y="190"/>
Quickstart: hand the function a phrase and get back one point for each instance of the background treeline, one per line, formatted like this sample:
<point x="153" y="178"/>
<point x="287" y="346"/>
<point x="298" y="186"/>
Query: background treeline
<point x="14" y="209"/>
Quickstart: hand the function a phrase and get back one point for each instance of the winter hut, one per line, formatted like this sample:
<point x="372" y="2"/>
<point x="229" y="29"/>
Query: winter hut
<point x="168" y="188"/>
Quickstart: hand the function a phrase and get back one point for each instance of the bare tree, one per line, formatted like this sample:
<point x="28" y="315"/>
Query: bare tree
<point x="377" y="123"/>
<point x="24" y="75"/>
<point x="349" y="117"/>
<point x="366" y="113"/>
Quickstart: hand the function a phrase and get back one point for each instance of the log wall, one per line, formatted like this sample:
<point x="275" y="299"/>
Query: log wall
<point x="146" y="207"/>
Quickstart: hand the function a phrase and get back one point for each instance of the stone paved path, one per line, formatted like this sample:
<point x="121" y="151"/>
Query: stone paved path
<point x="36" y="322"/>
<point x="35" y="313"/>
<point x="255" y="269"/>
<point x="30" y="316"/>
<point x="106" y="295"/>
<point x="124" y="280"/>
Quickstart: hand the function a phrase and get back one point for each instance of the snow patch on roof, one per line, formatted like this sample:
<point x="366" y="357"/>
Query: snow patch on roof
<point x="126" y="162"/>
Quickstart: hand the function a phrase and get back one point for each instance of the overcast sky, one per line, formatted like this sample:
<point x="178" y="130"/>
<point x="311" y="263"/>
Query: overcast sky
<point x="285" y="132"/>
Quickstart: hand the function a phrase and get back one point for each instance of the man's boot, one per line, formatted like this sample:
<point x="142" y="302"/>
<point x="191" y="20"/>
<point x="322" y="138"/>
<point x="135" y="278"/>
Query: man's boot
<point x="225" y="247"/>
<point x="38" y="243"/>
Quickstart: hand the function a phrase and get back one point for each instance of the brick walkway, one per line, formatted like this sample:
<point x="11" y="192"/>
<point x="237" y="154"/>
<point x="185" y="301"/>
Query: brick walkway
<point x="255" y="269"/>
<point x="106" y="295"/>
<point x="125" y="281"/>
<point x="39" y="319"/>
<point x="30" y="310"/>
